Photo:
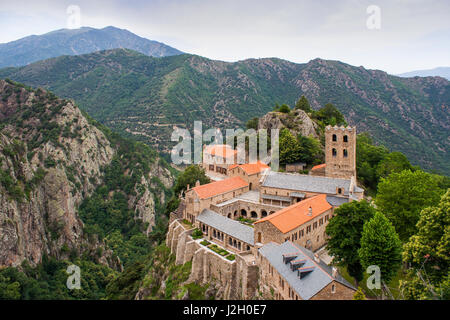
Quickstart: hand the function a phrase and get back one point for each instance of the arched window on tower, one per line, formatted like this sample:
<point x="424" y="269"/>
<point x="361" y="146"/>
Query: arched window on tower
<point x="334" y="152"/>
<point x="345" y="153"/>
<point x="334" y="137"/>
<point x="345" y="138"/>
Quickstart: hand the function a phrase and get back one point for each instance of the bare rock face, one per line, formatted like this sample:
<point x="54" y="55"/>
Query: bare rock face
<point x="144" y="201"/>
<point x="38" y="208"/>
<point x="51" y="159"/>
<point x="297" y="121"/>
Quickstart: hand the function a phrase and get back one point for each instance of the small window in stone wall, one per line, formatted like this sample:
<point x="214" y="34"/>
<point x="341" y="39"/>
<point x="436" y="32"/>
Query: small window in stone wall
<point x="333" y="288"/>
<point x="345" y="138"/>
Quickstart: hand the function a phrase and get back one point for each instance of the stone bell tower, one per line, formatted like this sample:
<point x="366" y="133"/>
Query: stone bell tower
<point x="340" y="152"/>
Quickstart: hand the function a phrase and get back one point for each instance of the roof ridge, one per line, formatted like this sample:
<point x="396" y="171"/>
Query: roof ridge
<point x="207" y="186"/>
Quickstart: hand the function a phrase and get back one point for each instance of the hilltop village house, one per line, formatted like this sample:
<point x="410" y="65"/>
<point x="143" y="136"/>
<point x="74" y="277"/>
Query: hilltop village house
<point x="272" y="222"/>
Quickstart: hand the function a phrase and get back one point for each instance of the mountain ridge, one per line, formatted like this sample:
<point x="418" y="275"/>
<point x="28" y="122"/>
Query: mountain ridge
<point x="146" y="97"/>
<point x="77" y="41"/>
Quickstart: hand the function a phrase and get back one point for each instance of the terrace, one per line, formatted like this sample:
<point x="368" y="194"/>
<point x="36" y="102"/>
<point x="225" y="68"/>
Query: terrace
<point x="217" y="249"/>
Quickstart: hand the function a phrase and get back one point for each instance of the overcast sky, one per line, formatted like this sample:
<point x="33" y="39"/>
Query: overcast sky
<point x="413" y="34"/>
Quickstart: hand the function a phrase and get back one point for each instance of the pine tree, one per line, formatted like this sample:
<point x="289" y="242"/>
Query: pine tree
<point x="380" y="246"/>
<point x="290" y="149"/>
<point x="303" y="104"/>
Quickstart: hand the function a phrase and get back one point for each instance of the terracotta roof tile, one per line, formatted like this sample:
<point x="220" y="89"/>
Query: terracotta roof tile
<point x="251" y="168"/>
<point x="295" y="215"/>
<point x="220" y="150"/>
<point x="215" y="188"/>
<point x="319" y="166"/>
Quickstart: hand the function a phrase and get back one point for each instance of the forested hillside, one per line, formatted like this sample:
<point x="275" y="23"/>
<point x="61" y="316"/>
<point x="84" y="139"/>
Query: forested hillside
<point x="71" y="192"/>
<point x="146" y="97"/>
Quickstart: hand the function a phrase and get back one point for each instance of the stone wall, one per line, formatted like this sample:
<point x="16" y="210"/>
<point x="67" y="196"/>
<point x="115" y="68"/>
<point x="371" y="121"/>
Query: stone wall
<point x="312" y="240"/>
<point x="237" y="279"/>
<point x="273" y="286"/>
<point x="195" y="205"/>
<point x="253" y="179"/>
<point x="341" y="292"/>
<point x="338" y="164"/>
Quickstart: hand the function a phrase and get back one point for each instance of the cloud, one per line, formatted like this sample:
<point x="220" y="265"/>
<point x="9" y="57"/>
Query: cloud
<point x="413" y="33"/>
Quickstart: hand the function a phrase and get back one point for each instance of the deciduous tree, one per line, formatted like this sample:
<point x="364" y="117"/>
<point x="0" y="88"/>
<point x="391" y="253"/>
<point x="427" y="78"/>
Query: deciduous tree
<point x="190" y="177"/>
<point x="380" y="246"/>
<point x="401" y="196"/>
<point x="427" y="253"/>
<point x="345" y="230"/>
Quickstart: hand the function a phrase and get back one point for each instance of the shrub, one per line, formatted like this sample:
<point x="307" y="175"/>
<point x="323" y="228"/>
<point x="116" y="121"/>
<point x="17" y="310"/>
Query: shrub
<point x="197" y="234"/>
<point x="284" y="109"/>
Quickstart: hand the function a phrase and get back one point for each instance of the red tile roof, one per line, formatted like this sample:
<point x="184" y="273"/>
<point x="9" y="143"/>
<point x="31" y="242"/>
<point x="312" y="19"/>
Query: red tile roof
<point x="251" y="168"/>
<point x="319" y="166"/>
<point x="220" y="150"/>
<point x="296" y="215"/>
<point x="216" y="188"/>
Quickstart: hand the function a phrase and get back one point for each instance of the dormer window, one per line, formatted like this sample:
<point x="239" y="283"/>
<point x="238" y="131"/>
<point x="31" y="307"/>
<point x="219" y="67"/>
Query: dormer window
<point x="303" y="272"/>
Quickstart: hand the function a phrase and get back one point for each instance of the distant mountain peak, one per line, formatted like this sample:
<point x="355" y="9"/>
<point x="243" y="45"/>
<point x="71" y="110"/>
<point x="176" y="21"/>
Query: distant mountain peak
<point x="443" y="72"/>
<point x="77" y="41"/>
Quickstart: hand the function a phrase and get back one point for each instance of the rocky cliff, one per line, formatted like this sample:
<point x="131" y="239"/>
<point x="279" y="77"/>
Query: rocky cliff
<point x="52" y="157"/>
<point x="297" y="121"/>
